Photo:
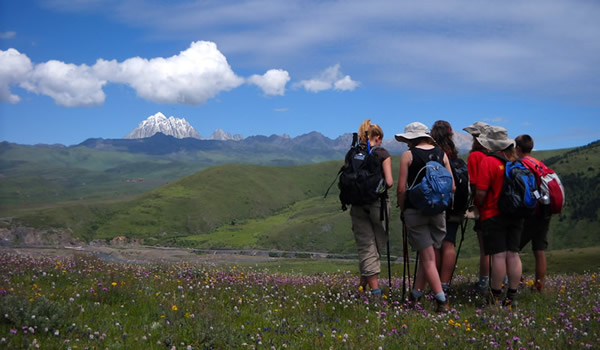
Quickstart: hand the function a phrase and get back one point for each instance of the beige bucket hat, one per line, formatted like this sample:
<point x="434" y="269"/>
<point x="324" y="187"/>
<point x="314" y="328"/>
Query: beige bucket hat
<point x="413" y="131"/>
<point x="495" y="138"/>
<point x="476" y="128"/>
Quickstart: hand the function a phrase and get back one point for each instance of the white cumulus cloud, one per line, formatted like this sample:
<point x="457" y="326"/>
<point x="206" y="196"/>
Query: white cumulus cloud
<point x="192" y="77"/>
<point x="345" y="84"/>
<point x="272" y="82"/>
<point x="330" y="78"/>
<point x="68" y="84"/>
<point x="14" y="68"/>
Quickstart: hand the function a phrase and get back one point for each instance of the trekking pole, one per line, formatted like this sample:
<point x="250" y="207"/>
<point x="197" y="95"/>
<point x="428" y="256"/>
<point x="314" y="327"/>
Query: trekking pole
<point x="463" y="227"/>
<point x="406" y="267"/>
<point x="387" y="233"/>
<point x="416" y="267"/>
<point x="491" y="296"/>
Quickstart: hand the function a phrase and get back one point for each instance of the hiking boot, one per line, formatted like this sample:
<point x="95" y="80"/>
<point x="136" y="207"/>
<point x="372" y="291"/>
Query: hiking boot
<point x="441" y="306"/>
<point x="494" y="297"/>
<point x="480" y="288"/>
<point x="511" y="299"/>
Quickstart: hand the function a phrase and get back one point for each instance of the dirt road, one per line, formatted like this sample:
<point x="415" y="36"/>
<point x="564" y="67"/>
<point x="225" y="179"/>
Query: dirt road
<point x="142" y="254"/>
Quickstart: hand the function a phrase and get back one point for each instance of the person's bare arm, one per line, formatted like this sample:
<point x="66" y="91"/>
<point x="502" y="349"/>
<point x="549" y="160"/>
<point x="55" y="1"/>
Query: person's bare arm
<point x="405" y="161"/>
<point x="387" y="172"/>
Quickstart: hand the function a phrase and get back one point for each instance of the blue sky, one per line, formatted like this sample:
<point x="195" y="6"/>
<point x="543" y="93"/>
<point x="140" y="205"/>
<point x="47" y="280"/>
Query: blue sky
<point x="75" y="69"/>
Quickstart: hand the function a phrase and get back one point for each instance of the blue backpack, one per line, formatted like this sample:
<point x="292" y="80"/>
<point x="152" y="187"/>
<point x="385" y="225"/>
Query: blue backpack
<point x="433" y="193"/>
<point x="519" y="195"/>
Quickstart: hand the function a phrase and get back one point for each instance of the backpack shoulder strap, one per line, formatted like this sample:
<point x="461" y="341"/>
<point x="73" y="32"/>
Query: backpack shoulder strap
<point x="531" y="164"/>
<point x="499" y="156"/>
<point x="417" y="153"/>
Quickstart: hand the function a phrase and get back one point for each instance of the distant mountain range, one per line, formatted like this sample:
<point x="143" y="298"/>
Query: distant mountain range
<point x="279" y="150"/>
<point x="180" y="129"/>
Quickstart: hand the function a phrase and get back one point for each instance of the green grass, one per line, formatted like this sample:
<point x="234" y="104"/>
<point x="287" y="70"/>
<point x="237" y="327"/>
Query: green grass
<point x="81" y="302"/>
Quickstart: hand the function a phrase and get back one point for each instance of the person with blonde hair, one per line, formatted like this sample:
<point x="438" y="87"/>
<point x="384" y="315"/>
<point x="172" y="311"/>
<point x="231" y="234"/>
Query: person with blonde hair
<point x="425" y="232"/>
<point x="501" y="232"/>
<point x="369" y="230"/>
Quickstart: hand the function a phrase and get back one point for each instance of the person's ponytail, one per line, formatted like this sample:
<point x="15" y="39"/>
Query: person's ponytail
<point x="362" y="131"/>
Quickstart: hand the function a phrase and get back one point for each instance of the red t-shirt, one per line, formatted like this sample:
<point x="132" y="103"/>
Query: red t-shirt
<point x="473" y="164"/>
<point x="490" y="179"/>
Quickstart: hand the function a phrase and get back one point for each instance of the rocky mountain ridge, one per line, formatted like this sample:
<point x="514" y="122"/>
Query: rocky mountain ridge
<point x="179" y="128"/>
<point x="176" y="127"/>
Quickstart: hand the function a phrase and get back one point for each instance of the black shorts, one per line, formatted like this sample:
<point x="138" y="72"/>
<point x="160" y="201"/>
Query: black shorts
<point x="501" y="233"/>
<point x="477" y="226"/>
<point x="535" y="229"/>
<point x="451" y="230"/>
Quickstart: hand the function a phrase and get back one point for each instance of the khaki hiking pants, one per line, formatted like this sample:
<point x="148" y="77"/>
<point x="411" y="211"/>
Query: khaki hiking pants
<point x="370" y="236"/>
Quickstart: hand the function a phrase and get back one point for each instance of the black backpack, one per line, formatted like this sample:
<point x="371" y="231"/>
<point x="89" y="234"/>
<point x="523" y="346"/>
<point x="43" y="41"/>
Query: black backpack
<point x="361" y="179"/>
<point x="460" y="201"/>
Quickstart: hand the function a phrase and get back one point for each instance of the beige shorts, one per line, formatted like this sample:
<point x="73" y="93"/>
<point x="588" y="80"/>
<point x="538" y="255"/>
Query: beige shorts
<point x="424" y="230"/>
<point x="370" y="236"/>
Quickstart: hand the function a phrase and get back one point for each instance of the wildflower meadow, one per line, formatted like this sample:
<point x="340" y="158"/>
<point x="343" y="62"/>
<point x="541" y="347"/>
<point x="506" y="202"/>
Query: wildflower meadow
<point x="82" y="302"/>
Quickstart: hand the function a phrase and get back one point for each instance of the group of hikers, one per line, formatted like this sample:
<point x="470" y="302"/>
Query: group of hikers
<point x="432" y="235"/>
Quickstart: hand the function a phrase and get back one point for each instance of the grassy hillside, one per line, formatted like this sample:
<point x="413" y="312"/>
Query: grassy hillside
<point x="579" y="170"/>
<point x="195" y="204"/>
<point x="246" y="206"/>
<point x="317" y="224"/>
<point x="38" y="176"/>
<point x="34" y="176"/>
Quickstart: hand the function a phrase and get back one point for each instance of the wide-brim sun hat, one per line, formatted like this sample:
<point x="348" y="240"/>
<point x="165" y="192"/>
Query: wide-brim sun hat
<point x="413" y="131"/>
<point x="476" y="128"/>
<point x="495" y="138"/>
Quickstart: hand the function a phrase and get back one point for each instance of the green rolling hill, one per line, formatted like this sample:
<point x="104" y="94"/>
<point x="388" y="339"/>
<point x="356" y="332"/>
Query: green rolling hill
<point x="251" y="206"/>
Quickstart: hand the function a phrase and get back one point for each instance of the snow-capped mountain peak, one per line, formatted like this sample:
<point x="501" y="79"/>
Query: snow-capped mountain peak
<point x="176" y="127"/>
<point x="222" y="135"/>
